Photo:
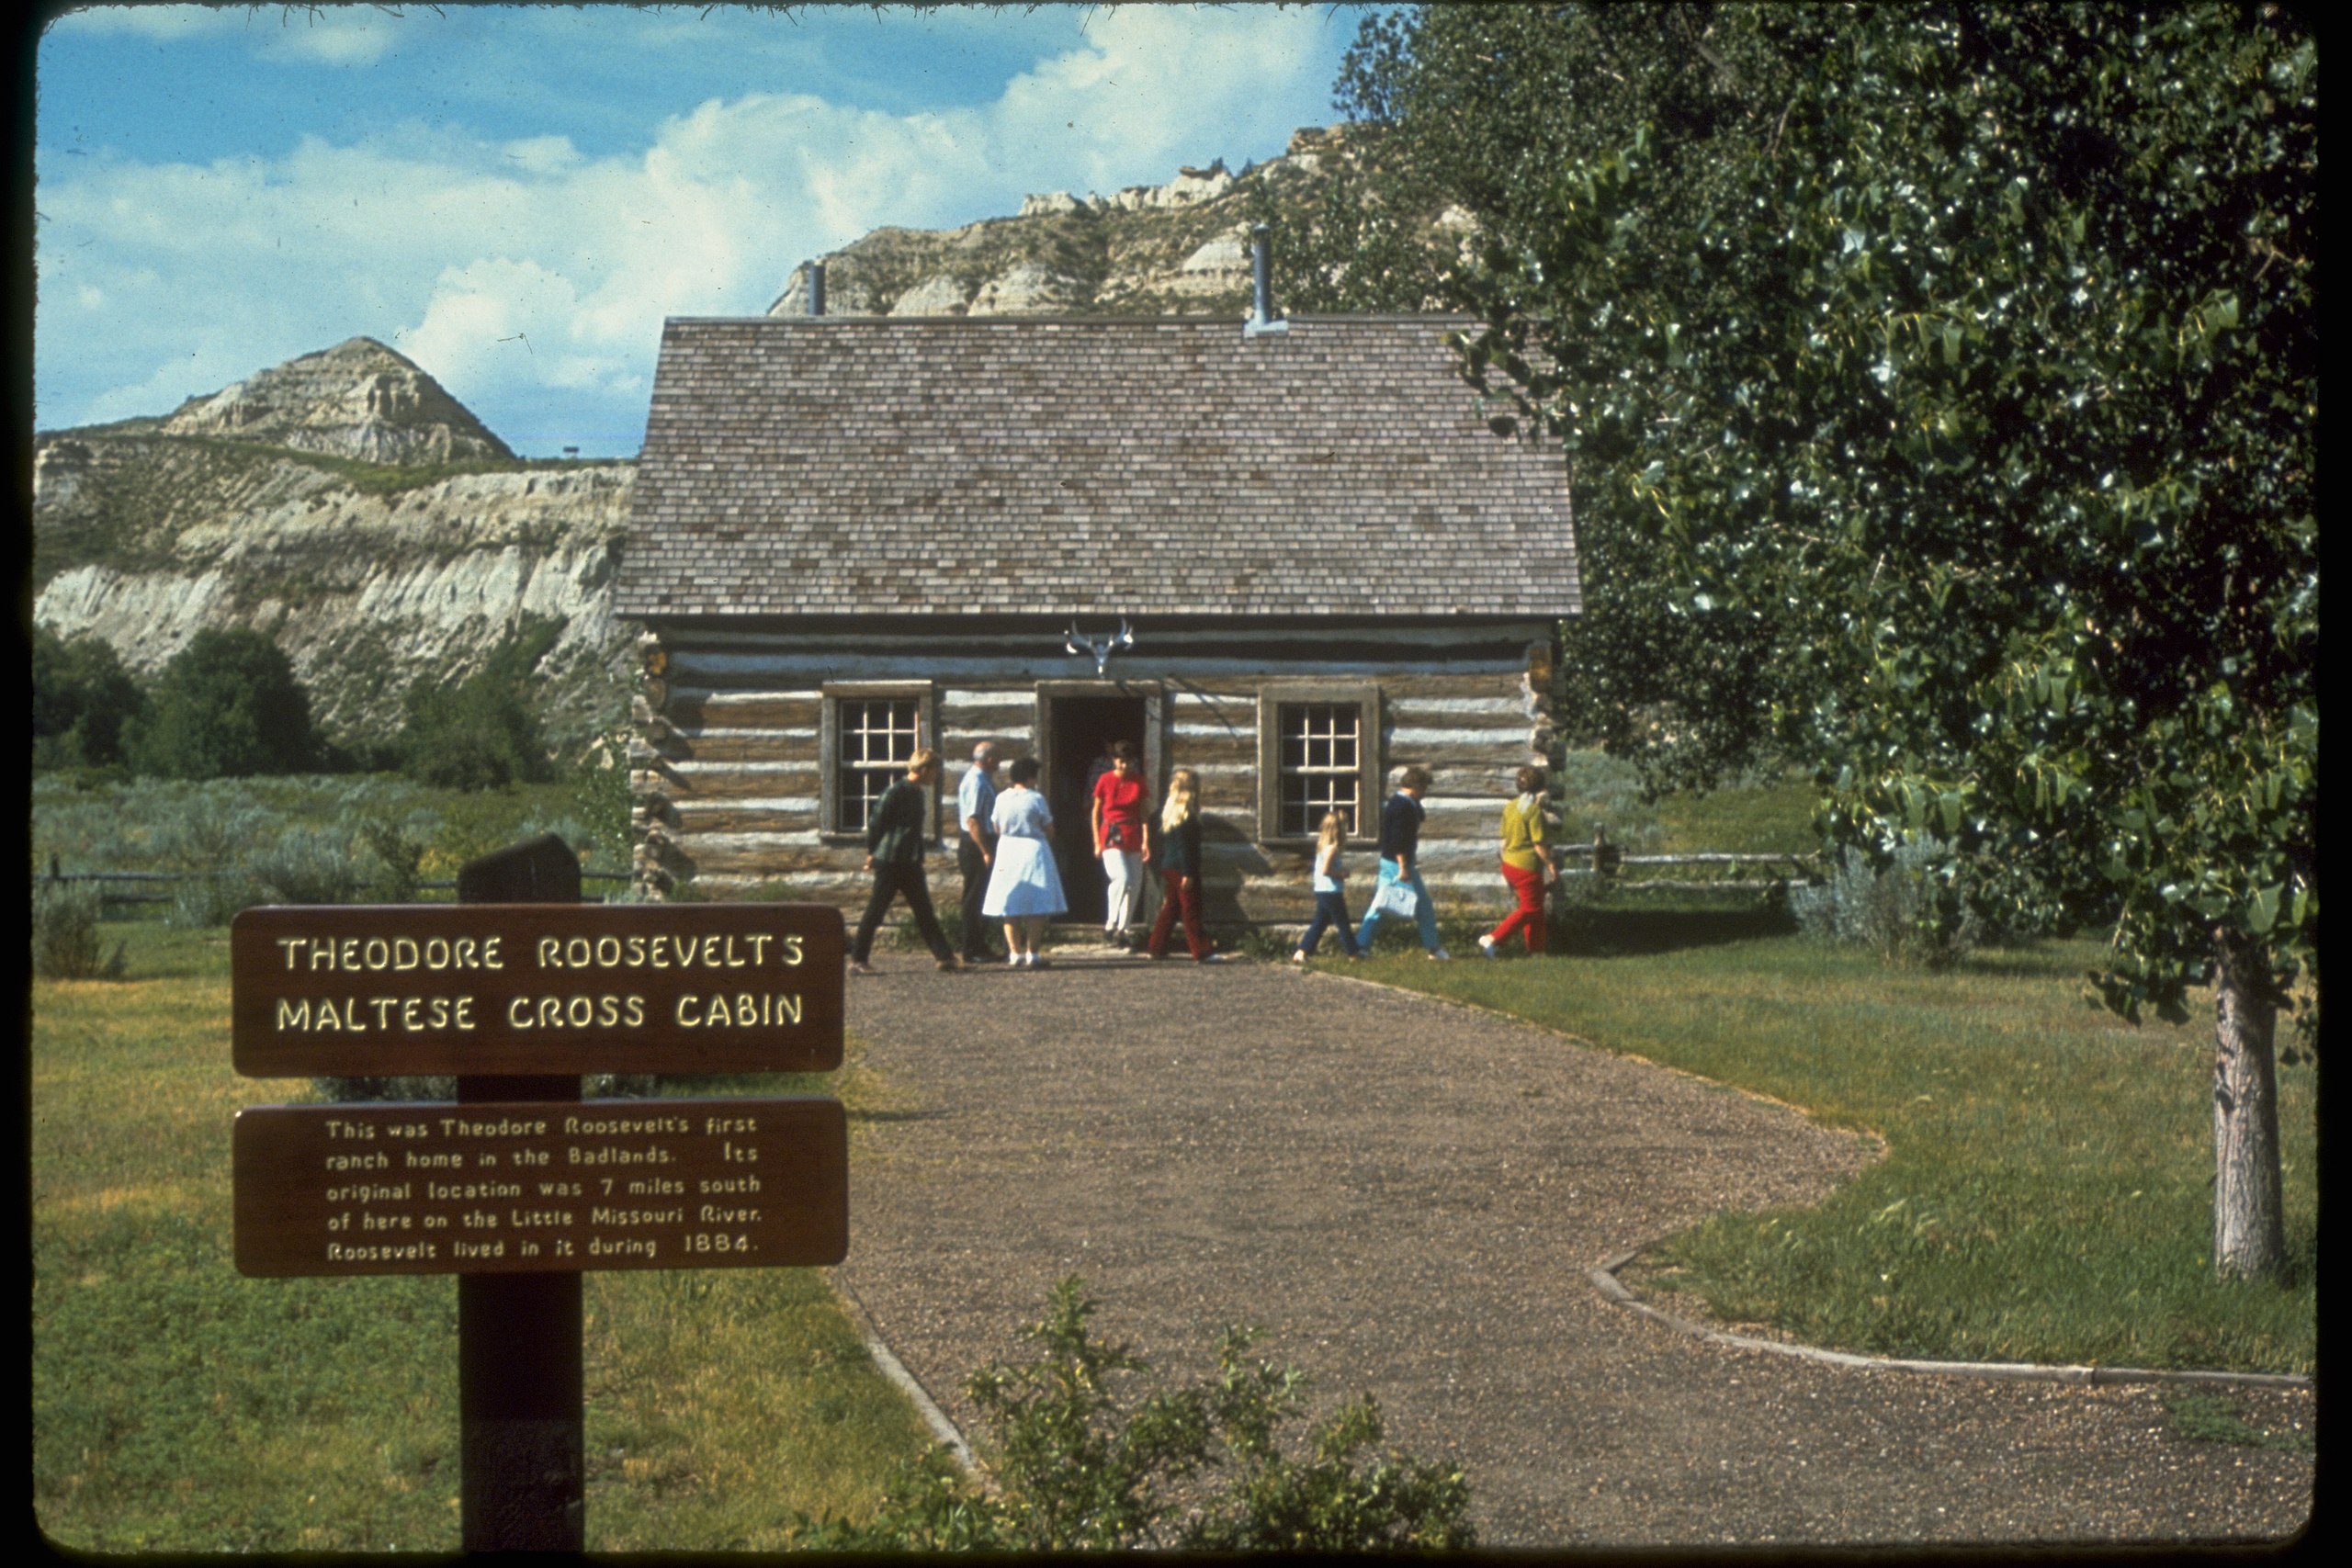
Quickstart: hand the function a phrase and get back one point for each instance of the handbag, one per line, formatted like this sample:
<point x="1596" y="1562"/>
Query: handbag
<point x="1397" y="898"/>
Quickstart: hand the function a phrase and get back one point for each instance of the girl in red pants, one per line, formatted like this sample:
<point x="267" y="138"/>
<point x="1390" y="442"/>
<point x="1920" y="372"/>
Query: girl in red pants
<point x="1527" y="864"/>
<point x="1179" y="869"/>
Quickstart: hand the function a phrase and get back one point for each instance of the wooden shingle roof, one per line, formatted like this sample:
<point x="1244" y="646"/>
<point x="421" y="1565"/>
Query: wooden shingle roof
<point x="1143" y="465"/>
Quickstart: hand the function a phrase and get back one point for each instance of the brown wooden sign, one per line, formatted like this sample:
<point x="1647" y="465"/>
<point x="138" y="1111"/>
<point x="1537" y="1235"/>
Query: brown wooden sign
<point x="375" y="991"/>
<point x="541" y="1187"/>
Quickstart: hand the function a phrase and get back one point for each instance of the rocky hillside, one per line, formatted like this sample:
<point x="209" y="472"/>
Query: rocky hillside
<point x="357" y="400"/>
<point x="349" y="505"/>
<point x="1178" y="248"/>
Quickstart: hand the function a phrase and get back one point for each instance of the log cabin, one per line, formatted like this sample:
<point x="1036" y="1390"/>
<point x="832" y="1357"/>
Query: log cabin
<point x="1289" y="555"/>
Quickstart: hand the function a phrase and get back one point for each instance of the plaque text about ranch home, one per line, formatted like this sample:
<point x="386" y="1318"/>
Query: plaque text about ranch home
<point x="530" y="1187"/>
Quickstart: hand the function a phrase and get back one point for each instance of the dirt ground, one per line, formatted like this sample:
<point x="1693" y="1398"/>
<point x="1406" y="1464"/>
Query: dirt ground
<point x="1406" y="1196"/>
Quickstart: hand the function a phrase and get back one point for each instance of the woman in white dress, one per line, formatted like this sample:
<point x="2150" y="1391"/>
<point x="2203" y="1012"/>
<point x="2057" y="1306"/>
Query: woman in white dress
<point x="1025" y="887"/>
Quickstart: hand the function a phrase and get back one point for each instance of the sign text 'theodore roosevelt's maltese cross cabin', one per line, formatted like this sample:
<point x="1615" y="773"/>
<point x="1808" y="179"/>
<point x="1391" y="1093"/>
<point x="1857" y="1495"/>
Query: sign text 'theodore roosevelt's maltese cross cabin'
<point x="853" y="536"/>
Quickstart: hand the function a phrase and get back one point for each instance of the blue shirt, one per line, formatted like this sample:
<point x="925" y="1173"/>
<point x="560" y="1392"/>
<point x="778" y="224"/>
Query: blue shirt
<point x="975" y="797"/>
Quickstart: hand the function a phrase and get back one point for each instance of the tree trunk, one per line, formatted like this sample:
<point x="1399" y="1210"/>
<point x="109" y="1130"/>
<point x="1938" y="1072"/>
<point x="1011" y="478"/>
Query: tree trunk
<point x="2249" y="1230"/>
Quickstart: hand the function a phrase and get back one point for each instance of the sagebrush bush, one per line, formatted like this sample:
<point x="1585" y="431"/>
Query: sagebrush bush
<point x="1899" y="911"/>
<point x="1596" y="790"/>
<point x="199" y="831"/>
<point x="208" y="835"/>
<point x="204" y="902"/>
<point x="310" y="865"/>
<point x="1085" y="1460"/>
<point x="66" y="944"/>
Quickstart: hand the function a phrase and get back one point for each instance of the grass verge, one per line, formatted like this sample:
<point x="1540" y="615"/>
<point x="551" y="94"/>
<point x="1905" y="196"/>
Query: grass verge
<point x="178" y="1406"/>
<point x="2046" y="1194"/>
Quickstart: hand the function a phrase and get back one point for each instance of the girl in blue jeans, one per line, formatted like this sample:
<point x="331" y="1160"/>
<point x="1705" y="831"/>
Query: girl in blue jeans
<point x="1331" y="895"/>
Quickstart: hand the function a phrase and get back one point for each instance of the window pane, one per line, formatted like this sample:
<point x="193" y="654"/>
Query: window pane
<point x="1321" y="746"/>
<point x="875" y="738"/>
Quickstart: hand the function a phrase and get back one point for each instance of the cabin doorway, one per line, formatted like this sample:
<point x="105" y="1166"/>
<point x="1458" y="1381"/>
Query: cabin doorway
<point x="1078" y="730"/>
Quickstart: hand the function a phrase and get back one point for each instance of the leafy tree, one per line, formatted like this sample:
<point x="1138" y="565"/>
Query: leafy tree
<point x="482" y="732"/>
<point x="228" y="706"/>
<point x="81" y="699"/>
<point x="1939" y="384"/>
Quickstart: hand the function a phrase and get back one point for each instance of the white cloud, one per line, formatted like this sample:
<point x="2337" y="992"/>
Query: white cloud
<point x="532" y="278"/>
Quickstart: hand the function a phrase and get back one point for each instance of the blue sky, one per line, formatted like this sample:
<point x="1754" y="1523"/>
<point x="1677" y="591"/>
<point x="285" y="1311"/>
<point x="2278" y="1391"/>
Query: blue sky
<point x="514" y="196"/>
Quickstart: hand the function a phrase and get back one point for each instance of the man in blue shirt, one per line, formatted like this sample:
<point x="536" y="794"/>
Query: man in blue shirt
<point x="976" y="848"/>
<point x="1400" y="870"/>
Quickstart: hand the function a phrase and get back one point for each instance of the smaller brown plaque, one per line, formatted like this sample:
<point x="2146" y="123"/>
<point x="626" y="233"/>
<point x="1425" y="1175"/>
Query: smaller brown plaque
<point x="541" y="1187"/>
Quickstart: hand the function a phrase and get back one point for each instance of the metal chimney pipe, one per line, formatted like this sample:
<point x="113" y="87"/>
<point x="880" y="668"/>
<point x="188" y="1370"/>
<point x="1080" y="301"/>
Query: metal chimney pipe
<point x="1262" y="270"/>
<point x="816" y="287"/>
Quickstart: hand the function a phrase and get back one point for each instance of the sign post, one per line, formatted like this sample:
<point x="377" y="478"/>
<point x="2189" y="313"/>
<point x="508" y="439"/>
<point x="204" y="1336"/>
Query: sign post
<point x="519" y="1185"/>
<point x="521" y="1418"/>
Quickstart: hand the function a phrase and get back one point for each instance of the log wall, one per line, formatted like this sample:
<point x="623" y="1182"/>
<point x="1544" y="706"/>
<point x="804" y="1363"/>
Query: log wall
<point x="727" y="791"/>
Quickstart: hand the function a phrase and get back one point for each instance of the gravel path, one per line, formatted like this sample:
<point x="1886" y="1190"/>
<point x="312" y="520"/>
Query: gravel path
<point x="1406" y="1195"/>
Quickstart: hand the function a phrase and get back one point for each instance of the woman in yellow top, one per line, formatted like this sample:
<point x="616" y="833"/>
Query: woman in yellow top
<point x="1527" y="864"/>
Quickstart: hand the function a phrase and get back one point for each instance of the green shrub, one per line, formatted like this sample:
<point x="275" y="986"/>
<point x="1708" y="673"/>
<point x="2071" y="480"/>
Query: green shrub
<point x="600" y="801"/>
<point x="227" y="707"/>
<point x="66" y="945"/>
<point x="397" y="846"/>
<point x="1083" y="1461"/>
<point x="481" y="732"/>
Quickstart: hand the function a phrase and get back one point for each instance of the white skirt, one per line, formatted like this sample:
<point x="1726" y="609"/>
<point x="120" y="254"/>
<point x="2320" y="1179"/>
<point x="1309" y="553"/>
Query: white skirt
<point x="1023" y="881"/>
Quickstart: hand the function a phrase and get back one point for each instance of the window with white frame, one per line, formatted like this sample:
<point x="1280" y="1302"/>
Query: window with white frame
<point x="870" y="734"/>
<point x="1317" y="755"/>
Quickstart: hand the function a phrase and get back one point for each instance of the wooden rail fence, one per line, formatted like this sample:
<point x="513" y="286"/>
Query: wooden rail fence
<point x="1608" y="864"/>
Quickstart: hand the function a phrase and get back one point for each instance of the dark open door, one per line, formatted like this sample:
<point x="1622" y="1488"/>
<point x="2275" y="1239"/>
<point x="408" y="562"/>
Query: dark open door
<point x="1078" y="728"/>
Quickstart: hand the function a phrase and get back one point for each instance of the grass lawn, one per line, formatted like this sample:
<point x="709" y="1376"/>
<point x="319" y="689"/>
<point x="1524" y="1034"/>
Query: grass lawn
<point x="179" y="1406"/>
<point x="2046" y="1194"/>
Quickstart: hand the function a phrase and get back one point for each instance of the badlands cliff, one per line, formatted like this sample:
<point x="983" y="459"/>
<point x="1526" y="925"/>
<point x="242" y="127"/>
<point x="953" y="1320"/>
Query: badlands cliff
<point x="347" y="504"/>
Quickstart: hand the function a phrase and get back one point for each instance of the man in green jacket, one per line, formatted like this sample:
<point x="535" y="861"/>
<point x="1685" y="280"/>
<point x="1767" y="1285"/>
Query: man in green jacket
<point x="896" y="836"/>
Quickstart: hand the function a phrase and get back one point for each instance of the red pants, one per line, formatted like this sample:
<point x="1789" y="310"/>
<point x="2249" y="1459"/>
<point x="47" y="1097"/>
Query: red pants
<point x="1184" y="893"/>
<point x="1529" y="916"/>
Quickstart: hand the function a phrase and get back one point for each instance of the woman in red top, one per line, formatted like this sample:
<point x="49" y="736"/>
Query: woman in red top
<point x="1122" y="838"/>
